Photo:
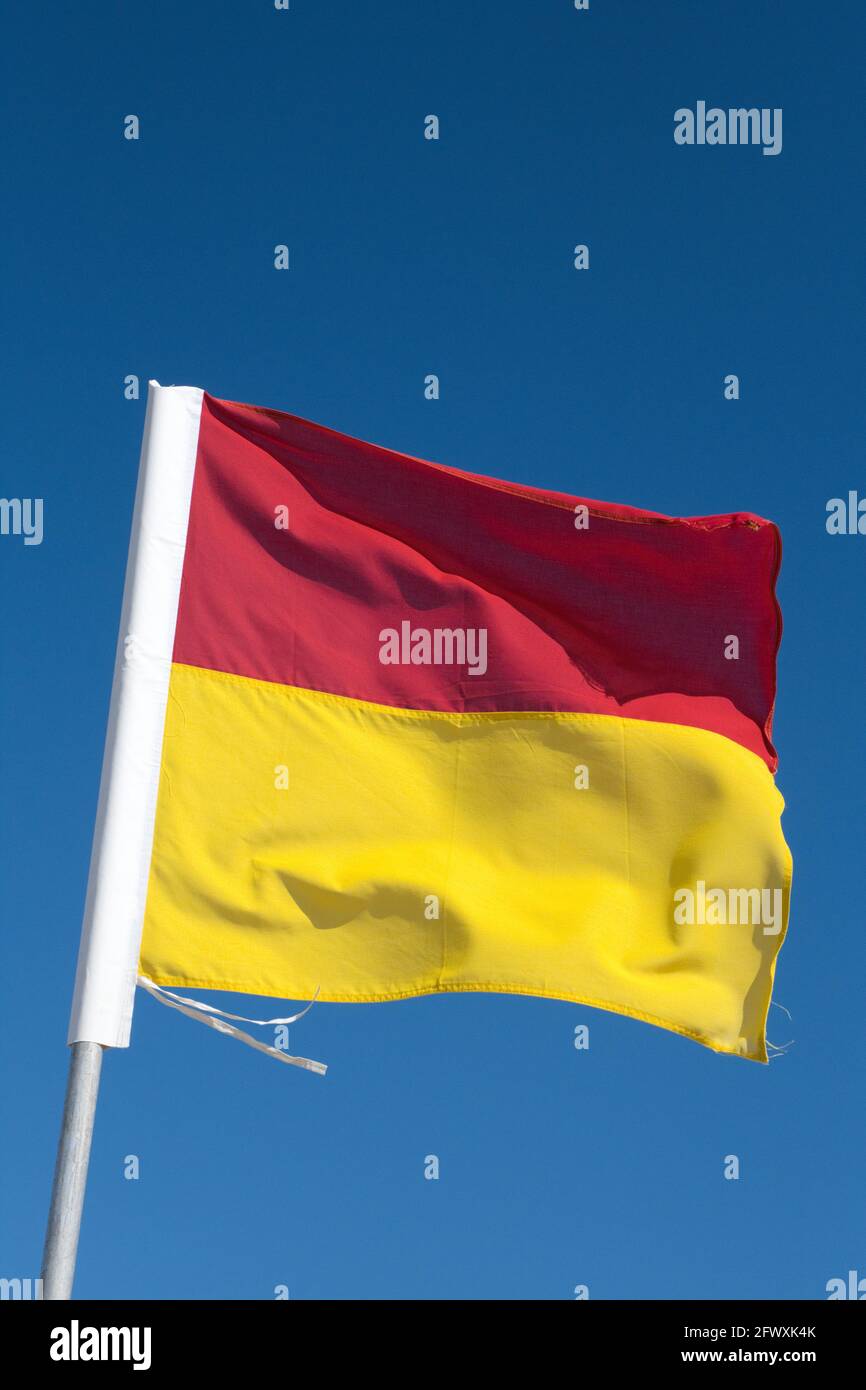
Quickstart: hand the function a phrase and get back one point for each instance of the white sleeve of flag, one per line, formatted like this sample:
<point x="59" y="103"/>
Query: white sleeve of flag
<point x="123" y="835"/>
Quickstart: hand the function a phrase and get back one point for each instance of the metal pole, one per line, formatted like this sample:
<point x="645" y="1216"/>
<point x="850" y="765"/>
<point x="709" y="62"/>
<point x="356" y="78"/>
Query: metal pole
<point x="70" y="1173"/>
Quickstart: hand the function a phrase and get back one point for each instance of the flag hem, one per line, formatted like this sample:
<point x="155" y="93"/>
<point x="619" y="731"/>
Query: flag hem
<point x="385" y="997"/>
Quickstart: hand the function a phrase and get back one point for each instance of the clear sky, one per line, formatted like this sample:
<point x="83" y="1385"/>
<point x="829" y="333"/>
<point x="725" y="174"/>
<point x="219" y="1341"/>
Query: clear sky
<point x="409" y="257"/>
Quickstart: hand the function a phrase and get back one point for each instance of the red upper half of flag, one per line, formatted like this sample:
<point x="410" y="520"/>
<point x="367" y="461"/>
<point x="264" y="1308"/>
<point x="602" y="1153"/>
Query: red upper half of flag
<point x="306" y="549"/>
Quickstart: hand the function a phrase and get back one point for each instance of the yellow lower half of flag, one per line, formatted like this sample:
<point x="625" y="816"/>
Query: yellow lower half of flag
<point x="308" y="841"/>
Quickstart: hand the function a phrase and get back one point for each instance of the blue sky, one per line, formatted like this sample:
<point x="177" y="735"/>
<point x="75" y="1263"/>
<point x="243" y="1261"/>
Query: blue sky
<point x="409" y="257"/>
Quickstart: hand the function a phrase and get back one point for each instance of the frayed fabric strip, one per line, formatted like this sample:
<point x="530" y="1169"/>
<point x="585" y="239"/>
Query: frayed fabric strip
<point x="215" y="1018"/>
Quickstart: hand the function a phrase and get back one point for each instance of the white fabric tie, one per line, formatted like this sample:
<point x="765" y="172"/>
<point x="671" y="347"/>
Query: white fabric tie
<point x="206" y="1013"/>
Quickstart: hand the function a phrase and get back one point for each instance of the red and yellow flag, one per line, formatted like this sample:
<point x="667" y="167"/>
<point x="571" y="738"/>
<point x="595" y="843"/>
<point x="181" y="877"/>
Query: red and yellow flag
<point x="428" y="731"/>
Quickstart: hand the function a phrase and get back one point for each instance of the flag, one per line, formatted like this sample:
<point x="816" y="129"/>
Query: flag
<point x="397" y="729"/>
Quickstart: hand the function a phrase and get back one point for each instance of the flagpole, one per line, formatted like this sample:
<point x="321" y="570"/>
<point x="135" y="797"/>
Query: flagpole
<point x="70" y="1172"/>
<point x="105" y="980"/>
